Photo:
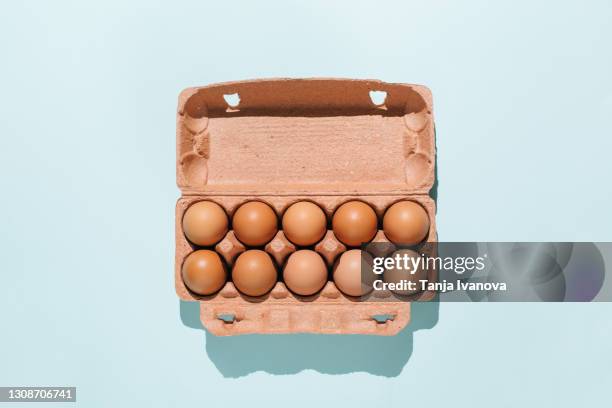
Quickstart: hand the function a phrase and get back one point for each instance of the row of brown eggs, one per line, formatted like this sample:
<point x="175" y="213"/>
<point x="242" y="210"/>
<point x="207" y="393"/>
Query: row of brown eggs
<point x="305" y="273"/>
<point x="254" y="272"/>
<point x="304" y="223"/>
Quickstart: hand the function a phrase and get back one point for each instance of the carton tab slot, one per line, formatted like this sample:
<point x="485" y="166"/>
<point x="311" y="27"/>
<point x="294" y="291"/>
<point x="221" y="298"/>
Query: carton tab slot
<point x="378" y="97"/>
<point x="227" y="318"/>
<point x="383" y="318"/>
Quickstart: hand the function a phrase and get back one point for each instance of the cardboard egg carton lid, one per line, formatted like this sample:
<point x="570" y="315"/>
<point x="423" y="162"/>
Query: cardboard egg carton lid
<point x="305" y="136"/>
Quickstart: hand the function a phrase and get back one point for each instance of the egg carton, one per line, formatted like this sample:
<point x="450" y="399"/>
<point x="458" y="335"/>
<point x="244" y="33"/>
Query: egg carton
<point x="280" y="141"/>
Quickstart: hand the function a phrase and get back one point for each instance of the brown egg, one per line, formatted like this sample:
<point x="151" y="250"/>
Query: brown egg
<point x="354" y="223"/>
<point x="305" y="272"/>
<point x="203" y="272"/>
<point x="205" y="223"/>
<point x="255" y="223"/>
<point x="405" y="273"/>
<point x="304" y="223"/>
<point x="254" y="273"/>
<point x="406" y="222"/>
<point x="348" y="275"/>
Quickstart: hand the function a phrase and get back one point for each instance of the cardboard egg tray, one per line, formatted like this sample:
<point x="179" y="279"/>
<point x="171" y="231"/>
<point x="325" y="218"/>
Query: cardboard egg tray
<point x="280" y="141"/>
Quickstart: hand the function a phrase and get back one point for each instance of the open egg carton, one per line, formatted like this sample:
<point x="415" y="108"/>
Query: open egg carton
<point x="280" y="141"/>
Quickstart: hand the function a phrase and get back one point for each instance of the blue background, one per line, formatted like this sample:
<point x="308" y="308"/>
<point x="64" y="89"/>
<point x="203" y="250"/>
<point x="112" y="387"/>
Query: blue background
<point x="523" y="100"/>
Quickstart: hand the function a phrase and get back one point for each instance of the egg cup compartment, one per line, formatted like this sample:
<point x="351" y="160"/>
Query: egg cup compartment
<point x="287" y="140"/>
<point x="229" y="301"/>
